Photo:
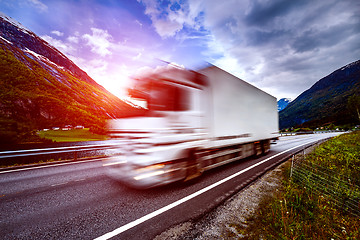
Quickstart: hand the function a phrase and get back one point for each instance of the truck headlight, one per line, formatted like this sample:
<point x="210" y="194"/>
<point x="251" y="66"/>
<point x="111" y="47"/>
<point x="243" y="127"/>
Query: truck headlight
<point x="114" y="160"/>
<point x="149" y="171"/>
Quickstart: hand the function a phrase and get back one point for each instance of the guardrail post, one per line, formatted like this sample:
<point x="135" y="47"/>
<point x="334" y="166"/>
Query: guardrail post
<point x="292" y="165"/>
<point x="304" y="154"/>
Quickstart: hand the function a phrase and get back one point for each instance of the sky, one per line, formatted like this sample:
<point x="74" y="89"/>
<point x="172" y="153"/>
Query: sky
<point x="281" y="46"/>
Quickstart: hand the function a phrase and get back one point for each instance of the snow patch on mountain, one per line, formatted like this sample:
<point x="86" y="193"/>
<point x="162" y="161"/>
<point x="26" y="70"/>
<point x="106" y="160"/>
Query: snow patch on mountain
<point x="350" y="65"/>
<point x="5" y="40"/>
<point x="282" y="103"/>
<point x="15" y="23"/>
<point x="42" y="58"/>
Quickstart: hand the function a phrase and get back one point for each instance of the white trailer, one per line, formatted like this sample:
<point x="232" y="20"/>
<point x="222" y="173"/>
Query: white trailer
<point x="194" y="121"/>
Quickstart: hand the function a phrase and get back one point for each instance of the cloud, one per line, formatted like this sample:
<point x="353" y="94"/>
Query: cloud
<point x="265" y="13"/>
<point x="57" y="33"/>
<point x="146" y="70"/>
<point x="137" y="57"/>
<point x="139" y="23"/>
<point x="99" y="41"/>
<point x="168" y="18"/>
<point x="63" y="47"/>
<point x="73" y="39"/>
<point x="97" y="66"/>
<point x="282" y="46"/>
<point x="39" y="5"/>
<point x="166" y="28"/>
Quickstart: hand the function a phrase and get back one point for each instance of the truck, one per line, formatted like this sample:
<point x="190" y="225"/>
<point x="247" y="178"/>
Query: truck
<point x="193" y="121"/>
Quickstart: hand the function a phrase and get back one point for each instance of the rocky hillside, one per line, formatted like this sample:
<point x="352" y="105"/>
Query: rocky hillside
<point x="41" y="88"/>
<point x="326" y="102"/>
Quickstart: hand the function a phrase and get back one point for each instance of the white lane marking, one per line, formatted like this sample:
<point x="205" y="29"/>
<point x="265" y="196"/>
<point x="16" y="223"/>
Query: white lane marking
<point x="46" y="166"/>
<point x="59" y="184"/>
<point x="78" y="180"/>
<point x="187" y="198"/>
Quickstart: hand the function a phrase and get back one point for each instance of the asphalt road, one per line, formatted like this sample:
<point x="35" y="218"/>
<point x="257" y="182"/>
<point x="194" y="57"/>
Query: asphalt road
<point x="78" y="201"/>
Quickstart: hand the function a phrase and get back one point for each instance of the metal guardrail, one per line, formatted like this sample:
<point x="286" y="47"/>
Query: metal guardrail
<point x="45" y="154"/>
<point x="307" y="132"/>
<point x="33" y="152"/>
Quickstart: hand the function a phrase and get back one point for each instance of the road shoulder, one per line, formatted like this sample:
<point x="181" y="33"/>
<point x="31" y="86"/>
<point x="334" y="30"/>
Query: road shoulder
<point x="220" y="223"/>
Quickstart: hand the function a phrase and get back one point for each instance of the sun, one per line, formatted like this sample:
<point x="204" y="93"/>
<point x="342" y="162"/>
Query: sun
<point x="117" y="86"/>
<point x="116" y="82"/>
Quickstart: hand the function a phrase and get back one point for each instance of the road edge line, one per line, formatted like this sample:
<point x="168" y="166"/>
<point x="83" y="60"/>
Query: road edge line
<point x="187" y="198"/>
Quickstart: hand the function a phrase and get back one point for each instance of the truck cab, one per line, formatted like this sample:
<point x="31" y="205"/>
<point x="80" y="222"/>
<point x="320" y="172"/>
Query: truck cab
<point x="154" y="148"/>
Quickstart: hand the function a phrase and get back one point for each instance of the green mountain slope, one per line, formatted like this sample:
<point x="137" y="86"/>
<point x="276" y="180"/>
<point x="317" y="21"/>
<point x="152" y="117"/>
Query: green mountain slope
<point x="326" y="101"/>
<point x="47" y="90"/>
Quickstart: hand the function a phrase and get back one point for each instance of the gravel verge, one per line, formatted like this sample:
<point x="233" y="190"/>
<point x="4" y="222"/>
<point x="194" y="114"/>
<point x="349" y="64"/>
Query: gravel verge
<point x="219" y="224"/>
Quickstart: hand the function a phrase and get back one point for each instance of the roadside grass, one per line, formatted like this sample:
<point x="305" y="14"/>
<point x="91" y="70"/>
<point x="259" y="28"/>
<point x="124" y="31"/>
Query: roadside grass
<point x="74" y="135"/>
<point x="296" y="211"/>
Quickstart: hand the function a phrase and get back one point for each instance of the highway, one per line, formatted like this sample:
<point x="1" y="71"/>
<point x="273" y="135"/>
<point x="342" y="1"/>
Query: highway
<point x="78" y="201"/>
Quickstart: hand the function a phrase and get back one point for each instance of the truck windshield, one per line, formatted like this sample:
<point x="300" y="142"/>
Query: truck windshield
<point x="162" y="96"/>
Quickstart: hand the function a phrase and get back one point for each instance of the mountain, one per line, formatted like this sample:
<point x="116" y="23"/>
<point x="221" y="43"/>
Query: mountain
<point x="326" y="101"/>
<point x="282" y="103"/>
<point x="41" y="88"/>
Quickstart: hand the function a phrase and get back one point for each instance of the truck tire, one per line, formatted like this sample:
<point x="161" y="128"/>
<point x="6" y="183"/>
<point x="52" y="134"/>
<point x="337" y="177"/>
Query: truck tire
<point x="258" y="149"/>
<point x="193" y="169"/>
<point x="265" y="146"/>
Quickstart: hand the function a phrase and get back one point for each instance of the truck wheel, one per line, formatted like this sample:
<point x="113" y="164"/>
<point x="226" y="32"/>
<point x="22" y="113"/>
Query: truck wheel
<point x="258" y="149"/>
<point x="194" y="168"/>
<point x="265" y="146"/>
